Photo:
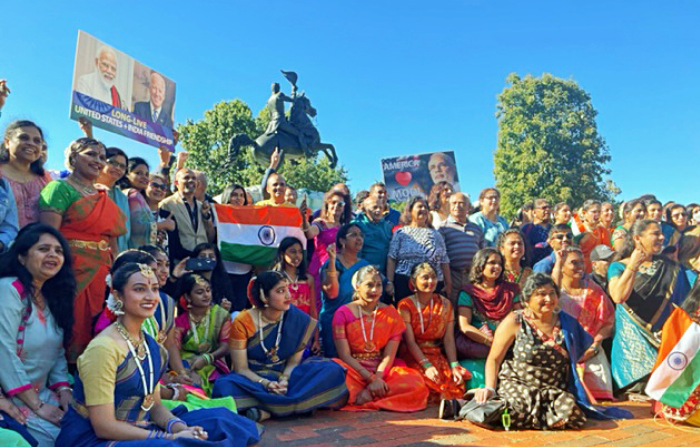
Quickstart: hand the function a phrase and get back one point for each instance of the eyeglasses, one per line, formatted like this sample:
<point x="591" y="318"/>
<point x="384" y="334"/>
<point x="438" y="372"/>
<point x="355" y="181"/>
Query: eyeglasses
<point x="161" y="186"/>
<point x="115" y="164"/>
<point x="561" y="236"/>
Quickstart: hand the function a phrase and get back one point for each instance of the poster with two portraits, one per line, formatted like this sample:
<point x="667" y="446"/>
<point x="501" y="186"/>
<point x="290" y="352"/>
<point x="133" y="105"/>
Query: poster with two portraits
<point x="413" y="175"/>
<point x="120" y="94"/>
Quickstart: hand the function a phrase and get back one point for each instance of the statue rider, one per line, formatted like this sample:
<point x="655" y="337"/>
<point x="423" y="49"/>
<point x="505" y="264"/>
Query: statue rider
<point x="278" y="121"/>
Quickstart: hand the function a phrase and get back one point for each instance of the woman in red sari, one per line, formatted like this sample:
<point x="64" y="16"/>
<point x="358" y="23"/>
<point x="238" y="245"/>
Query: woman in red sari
<point x="367" y="334"/>
<point x="430" y="336"/>
<point x="91" y="222"/>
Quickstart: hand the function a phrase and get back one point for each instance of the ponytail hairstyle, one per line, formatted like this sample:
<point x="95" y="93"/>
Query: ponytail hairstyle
<point x="360" y="275"/>
<point x="261" y="286"/>
<point x="185" y="285"/>
<point x="416" y="270"/>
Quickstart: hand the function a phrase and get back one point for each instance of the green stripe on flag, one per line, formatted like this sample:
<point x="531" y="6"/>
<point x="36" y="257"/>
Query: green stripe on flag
<point x="248" y="254"/>
<point x="681" y="388"/>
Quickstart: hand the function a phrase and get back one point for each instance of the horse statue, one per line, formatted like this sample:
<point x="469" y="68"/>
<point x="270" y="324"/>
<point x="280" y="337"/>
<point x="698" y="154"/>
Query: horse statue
<point x="265" y="144"/>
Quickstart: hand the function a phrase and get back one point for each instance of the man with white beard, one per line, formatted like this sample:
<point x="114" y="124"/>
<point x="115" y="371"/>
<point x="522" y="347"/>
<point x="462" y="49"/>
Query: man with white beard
<point x="100" y="83"/>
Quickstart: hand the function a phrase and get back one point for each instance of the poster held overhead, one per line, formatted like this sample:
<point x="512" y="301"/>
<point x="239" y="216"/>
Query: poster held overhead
<point x="121" y="95"/>
<point x="411" y="175"/>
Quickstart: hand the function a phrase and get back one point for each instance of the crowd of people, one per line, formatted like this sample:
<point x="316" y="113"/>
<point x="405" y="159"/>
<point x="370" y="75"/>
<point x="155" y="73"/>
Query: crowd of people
<point x="119" y="320"/>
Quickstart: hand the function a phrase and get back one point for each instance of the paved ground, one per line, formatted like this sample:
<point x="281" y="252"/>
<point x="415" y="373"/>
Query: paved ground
<point x="337" y="428"/>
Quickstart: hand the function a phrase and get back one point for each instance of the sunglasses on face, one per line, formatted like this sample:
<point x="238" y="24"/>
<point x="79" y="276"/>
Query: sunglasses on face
<point x="561" y="236"/>
<point x="161" y="186"/>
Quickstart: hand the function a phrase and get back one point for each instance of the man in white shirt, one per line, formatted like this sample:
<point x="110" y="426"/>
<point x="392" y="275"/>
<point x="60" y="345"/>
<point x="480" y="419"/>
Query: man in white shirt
<point x="100" y="83"/>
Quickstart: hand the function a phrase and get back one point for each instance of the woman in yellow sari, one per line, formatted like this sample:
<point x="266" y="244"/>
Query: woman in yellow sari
<point x="367" y="334"/>
<point x="429" y="337"/>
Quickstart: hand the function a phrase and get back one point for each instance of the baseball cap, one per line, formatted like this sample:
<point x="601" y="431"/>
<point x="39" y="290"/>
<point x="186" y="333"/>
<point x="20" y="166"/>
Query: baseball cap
<point x="602" y="253"/>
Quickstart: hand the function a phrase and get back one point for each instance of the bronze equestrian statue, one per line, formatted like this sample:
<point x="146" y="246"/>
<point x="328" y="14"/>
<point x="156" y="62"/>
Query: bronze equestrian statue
<point x="297" y="138"/>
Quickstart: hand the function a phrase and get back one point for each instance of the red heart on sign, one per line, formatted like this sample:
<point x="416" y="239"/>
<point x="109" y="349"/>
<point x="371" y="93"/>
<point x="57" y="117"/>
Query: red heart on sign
<point x="404" y="178"/>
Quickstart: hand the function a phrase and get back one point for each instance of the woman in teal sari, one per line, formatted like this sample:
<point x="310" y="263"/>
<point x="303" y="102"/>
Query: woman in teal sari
<point x="646" y="286"/>
<point x="336" y="281"/>
<point x="267" y="344"/>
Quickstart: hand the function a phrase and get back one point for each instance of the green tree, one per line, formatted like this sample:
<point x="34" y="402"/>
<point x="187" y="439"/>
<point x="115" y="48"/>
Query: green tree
<point x="548" y="144"/>
<point x="206" y="141"/>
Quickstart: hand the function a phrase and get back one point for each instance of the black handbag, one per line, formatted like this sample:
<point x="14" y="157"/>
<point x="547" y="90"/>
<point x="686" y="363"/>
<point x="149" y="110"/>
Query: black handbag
<point x="487" y="415"/>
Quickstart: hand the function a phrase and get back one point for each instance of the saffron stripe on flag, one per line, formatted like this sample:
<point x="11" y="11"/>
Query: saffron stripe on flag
<point x="262" y="215"/>
<point x="677" y="371"/>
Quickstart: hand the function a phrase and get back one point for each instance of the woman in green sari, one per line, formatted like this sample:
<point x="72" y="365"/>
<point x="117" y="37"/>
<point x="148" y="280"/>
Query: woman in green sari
<point x="201" y="335"/>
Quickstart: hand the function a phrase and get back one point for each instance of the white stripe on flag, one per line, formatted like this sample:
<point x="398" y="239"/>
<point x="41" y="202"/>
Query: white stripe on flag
<point x="252" y="234"/>
<point x="669" y="370"/>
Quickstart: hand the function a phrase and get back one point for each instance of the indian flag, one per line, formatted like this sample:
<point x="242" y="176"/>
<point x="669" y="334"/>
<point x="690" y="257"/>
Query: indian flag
<point x="677" y="371"/>
<point x="251" y="234"/>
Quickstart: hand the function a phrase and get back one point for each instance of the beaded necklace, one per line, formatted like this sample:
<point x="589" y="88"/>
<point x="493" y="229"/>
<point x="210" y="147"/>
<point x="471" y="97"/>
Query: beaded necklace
<point x="370" y="346"/>
<point x="272" y="353"/>
<point x="148" y="399"/>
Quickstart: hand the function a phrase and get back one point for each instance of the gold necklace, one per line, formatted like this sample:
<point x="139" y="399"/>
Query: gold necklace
<point x="82" y="188"/>
<point x="140" y="345"/>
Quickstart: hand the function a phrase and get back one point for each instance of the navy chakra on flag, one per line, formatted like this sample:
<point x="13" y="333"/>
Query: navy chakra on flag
<point x="677" y="360"/>
<point x="266" y="234"/>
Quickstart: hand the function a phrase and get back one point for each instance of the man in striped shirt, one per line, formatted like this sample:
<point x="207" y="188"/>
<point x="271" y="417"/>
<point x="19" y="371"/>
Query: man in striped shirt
<point x="462" y="239"/>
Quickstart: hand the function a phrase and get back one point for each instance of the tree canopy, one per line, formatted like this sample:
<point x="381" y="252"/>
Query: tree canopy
<point x="548" y="144"/>
<point x="207" y="140"/>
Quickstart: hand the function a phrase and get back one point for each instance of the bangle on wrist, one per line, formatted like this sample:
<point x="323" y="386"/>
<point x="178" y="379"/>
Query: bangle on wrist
<point x="488" y="388"/>
<point x="171" y="422"/>
<point x="454" y="365"/>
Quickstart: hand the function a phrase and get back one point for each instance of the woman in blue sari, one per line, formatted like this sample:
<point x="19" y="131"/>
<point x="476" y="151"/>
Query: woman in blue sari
<point x="336" y="281"/>
<point x="267" y="344"/>
<point x="645" y="285"/>
<point x="116" y="394"/>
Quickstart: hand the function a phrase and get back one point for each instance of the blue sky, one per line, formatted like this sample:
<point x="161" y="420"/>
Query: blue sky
<point x="389" y="78"/>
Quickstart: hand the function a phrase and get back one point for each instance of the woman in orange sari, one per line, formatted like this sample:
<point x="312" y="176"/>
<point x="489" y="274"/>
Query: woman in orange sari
<point x="91" y="222"/>
<point x="594" y="233"/>
<point x="429" y="336"/>
<point x="367" y="334"/>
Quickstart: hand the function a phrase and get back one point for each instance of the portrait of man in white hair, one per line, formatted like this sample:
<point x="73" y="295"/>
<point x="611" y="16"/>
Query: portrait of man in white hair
<point x="100" y="84"/>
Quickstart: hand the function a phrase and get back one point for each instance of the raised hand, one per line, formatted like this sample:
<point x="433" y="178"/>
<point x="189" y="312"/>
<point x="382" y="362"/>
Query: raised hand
<point x="85" y="126"/>
<point x="4" y="92"/>
<point x="275" y="158"/>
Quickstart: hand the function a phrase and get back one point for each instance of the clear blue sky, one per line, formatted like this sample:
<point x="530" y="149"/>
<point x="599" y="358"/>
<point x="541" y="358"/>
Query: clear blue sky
<point x="389" y="78"/>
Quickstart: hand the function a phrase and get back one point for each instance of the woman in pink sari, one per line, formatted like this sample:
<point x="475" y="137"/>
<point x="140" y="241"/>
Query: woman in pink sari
<point x="583" y="299"/>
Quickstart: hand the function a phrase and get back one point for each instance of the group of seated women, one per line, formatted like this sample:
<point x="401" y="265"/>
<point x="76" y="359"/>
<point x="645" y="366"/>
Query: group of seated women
<point x="160" y="370"/>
